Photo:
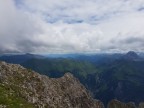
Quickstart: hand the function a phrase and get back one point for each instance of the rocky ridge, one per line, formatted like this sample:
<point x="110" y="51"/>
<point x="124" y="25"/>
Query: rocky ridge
<point x="32" y="90"/>
<point x="24" y="88"/>
<point x="117" y="104"/>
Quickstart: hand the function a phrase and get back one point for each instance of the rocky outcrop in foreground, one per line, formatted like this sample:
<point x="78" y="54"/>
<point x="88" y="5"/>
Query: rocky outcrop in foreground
<point x="23" y="88"/>
<point x="117" y="104"/>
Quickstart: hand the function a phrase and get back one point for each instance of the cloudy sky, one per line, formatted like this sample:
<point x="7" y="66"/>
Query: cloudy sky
<point x="71" y="26"/>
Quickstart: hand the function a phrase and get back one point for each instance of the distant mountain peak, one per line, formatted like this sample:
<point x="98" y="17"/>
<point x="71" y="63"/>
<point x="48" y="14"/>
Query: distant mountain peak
<point x="28" y="54"/>
<point x="131" y="55"/>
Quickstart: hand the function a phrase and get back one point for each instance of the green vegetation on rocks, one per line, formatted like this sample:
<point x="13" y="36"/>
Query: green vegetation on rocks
<point x="23" y="88"/>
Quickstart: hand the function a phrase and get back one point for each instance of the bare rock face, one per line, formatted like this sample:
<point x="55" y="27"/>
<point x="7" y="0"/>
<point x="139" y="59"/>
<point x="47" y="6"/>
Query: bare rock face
<point x="44" y="92"/>
<point x="141" y="105"/>
<point x="117" y="104"/>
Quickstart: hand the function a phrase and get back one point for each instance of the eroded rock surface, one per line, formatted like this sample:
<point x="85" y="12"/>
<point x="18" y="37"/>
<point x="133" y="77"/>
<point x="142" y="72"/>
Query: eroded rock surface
<point x="117" y="104"/>
<point x="44" y="92"/>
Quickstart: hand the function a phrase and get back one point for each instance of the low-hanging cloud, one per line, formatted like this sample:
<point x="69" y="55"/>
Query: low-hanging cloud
<point x="70" y="26"/>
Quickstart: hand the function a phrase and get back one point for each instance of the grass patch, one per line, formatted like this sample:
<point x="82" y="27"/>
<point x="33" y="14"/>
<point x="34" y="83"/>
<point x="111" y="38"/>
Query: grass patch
<point x="10" y="99"/>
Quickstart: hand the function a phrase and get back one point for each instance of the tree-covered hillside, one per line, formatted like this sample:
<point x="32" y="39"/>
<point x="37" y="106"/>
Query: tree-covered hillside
<point x="57" y="67"/>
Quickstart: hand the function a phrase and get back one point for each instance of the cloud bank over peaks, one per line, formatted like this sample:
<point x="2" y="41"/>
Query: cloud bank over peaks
<point x="71" y="26"/>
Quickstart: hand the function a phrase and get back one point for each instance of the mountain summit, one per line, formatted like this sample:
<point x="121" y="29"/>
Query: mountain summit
<point x="131" y="55"/>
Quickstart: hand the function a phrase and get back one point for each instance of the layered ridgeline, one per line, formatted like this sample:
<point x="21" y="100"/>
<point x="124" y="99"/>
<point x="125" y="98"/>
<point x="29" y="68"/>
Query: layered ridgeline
<point x="115" y="76"/>
<point x="107" y="77"/>
<point x="123" y="79"/>
<point x="23" y="88"/>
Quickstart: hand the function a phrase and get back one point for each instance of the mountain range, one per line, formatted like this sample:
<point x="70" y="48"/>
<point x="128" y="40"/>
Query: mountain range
<point x="106" y="76"/>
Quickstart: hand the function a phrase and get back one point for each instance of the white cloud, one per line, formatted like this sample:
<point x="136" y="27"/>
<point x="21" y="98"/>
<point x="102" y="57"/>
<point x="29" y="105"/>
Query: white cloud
<point x="14" y="26"/>
<point x="85" y="10"/>
<point x="68" y="26"/>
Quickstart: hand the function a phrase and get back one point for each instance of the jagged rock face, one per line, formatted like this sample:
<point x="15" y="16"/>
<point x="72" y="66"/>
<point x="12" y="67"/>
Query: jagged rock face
<point x="118" y="104"/>
<point x="44" y="92"/>
<point x="141" y="105"/>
